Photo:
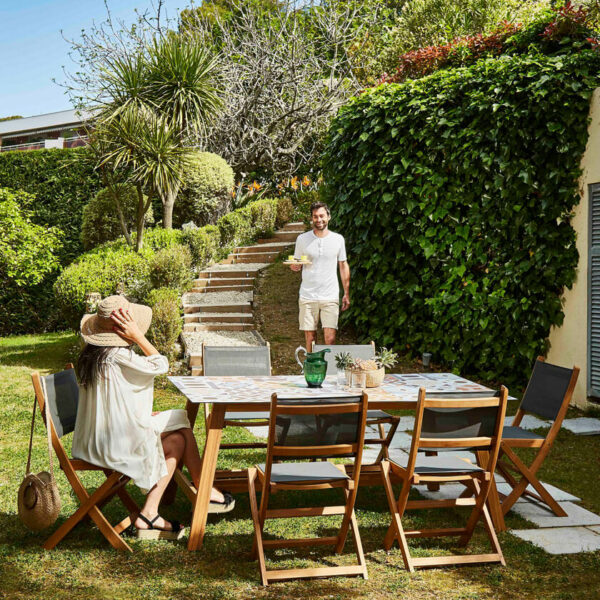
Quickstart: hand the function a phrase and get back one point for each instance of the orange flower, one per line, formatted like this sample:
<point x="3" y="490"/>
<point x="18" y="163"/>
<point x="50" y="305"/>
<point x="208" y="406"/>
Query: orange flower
<point x="256" y="185"/>
<point x="306" y="181"/>
<point x="294" y="182"/>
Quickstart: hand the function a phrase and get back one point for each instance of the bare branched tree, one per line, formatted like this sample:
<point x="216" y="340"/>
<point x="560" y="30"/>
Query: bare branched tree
<point x="283" y="79"/>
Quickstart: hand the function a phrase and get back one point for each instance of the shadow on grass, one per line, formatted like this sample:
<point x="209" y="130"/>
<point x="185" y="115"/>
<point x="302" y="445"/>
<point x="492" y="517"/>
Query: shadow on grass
<point x="38" y="352"/>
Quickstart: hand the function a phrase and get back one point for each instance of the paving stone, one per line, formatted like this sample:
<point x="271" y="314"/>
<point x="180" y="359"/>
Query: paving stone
<point x="528" y="422"/>
<point x="370" y="454"/>
<point x="583" y="426"/>
<point x="558" y="494"/>
<point x="401" y="440"/>
<point x="594" y="528"/>
<point x="260" y="431"/>
<point x="543" y="517"/>
<point x="406" y="424"/>
<point x="398" y="454"/>
<point x="447" y="491"/>
<point x="561" y="540"/>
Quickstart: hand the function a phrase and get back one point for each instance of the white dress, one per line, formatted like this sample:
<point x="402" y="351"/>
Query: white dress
<point x="115" y="427"/>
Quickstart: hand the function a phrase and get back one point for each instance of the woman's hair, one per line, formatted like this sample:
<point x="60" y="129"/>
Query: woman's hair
<point x="91" y="363"/>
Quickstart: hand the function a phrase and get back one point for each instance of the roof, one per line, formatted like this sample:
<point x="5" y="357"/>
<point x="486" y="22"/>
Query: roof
<point x="47" y="122"/>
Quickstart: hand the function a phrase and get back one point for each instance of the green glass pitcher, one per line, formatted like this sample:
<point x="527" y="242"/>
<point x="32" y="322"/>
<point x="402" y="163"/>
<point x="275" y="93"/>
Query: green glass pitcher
<point x="314" y="366"/>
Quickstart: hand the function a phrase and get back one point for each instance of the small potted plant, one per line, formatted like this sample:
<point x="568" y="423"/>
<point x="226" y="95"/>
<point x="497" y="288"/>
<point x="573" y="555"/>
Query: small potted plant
<point x="343" y="362"/>
<point x="374" y="368"/>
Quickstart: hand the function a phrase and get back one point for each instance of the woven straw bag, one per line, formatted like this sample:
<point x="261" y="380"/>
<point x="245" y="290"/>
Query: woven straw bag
<point x="38" y="500"/>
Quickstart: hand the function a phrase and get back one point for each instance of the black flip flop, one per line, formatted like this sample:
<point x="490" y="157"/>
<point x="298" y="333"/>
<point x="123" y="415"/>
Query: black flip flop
<point x="227" y="505"/>
<point x="155" y="533"/>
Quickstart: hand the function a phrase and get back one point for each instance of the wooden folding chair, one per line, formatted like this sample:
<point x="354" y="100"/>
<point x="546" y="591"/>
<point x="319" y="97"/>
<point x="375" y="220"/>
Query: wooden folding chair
<point x="442" y="424"/>
<point x="61" y="392"/>
<point x="374" y="417"/>
<point x="548" y="395"/>
<point x="310" y="428"/>
<point x="238" y="360"/>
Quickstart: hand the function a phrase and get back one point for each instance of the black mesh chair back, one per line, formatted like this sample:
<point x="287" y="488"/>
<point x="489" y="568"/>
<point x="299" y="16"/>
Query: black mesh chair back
<point x="236" y="360"/>
<point x="62" y="394"/>
<point x="471" y="421"/>
<point x="323" y="427"/>
<point x="364" y="351"/>
<point x="546" y="390"/>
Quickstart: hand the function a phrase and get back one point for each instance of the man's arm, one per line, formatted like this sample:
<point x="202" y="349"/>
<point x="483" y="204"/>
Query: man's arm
<point x="297" y="254"/>
<point x="345" y="277"/>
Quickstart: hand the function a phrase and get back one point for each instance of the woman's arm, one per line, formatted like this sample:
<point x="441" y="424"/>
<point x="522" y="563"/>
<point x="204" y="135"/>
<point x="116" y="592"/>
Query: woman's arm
<point x="127" y="328"/>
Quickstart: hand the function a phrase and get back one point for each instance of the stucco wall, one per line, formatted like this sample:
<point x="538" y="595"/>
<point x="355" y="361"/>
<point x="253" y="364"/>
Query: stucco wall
<point x="569" y="343"/>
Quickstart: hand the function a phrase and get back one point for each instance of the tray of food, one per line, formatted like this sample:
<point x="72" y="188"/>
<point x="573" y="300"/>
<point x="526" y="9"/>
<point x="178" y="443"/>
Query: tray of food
<point x="291" y="260"/>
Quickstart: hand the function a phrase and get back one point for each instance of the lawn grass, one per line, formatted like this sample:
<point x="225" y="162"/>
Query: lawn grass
<point x="85" y="566"/>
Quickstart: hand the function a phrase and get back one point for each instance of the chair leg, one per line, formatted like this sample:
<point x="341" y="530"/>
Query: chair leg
<point x="258" y="540"/>
<point x="488" y="524"/>
<point x="360" y="555"/>
<point x="89" y="505"/>
<point x="266" y="488"/>
<point x="343" y="534"/>
<point x="396" y="530"/>
<point x="385" y="447"/>
<point x="529" y="477"/>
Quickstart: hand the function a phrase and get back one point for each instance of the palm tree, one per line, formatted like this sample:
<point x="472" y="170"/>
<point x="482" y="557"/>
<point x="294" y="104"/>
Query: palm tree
<point x="154" y="107"/>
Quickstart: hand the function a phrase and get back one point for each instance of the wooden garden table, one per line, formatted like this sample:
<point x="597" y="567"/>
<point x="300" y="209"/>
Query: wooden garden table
<point x="248" y="394"/>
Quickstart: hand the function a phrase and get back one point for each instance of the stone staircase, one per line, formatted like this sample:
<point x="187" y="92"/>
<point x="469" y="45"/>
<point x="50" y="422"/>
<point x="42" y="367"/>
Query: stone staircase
<point x="218" y="308"/>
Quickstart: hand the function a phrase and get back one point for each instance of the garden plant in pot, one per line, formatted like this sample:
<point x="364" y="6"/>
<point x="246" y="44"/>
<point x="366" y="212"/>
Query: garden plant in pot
<point x="374" y="368"/>
<point x="344" y="362"/>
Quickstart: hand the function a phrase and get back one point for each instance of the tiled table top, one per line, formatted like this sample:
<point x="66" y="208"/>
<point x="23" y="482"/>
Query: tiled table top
<point x="396" y="387"/>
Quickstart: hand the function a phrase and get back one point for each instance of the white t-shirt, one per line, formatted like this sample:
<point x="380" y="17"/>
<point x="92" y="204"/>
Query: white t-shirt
<point x="319" y="280"/>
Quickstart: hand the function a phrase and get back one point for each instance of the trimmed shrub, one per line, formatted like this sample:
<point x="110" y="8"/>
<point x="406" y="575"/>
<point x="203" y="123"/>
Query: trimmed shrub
<point x="100" y="218"/>
<point x="236" y="227"/>
<point x="101" y="271"/>
<point x="455" y="194"/>
<point x="204" y="244"/>
<point x="172" y="268"/>
<point x="264" y="216"/>
<point x="285" y="211"/>
<point x="166" y="319"/>
<point x="206" y="195"/>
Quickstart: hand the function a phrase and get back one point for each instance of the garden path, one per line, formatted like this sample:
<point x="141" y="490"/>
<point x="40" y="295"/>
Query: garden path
<point x="218" y="309"/>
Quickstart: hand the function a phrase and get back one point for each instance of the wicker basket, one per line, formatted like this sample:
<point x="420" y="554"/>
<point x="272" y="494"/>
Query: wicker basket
<point x="375" y="378"/>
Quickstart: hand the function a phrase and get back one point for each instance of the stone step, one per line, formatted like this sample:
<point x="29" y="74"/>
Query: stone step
<point x="241" y="273"/>
<point x="264" y="257"/>
<point x="223" y="288"/>
<point x="218" y="308"/>
<point x="271" y="247"/>
<point x="218" y="326"/>
<point x="196" y="371"/>
<point x="296" y="226"/>
<point x="217" y="317"/>
<point x="282" y="236"/>
<point x="205" y="282"/>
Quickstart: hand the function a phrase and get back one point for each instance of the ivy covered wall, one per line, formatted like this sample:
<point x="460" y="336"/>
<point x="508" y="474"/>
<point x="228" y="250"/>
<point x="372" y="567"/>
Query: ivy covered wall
<point x="455" y="194"/>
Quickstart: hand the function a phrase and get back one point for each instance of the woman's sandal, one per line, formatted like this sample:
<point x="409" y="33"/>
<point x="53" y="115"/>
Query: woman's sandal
<point x="222" y="507"/>
<point x="155" y="533"/>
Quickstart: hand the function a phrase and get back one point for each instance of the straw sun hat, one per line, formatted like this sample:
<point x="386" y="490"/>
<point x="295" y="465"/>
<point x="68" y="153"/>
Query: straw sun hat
<point x="97" y="329"/>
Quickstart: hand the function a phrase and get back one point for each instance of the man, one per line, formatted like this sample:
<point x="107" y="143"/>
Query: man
<point x="319" y="292"/>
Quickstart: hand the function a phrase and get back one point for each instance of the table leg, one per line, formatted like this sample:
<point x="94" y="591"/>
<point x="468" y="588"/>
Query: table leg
<point x="493" y="499"/>
<point x="168" y="498"/>
<point x="207" y="476"/>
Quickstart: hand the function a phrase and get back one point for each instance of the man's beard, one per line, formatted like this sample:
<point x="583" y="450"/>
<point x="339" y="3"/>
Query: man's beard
<point x="320" y="225"/>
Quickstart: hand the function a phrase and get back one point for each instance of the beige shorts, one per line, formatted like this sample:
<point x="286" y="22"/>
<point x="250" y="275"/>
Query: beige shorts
<point x="312" y="310"/>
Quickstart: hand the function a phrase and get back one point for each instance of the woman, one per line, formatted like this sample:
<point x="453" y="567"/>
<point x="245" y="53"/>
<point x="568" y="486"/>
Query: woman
<point x="115" y="425"/>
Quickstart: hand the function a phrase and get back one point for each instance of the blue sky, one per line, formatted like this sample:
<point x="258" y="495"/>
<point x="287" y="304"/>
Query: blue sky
<point x="32" y="50"/>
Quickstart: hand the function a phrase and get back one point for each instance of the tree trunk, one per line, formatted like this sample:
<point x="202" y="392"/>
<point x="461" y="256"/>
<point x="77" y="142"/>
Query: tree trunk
<point x="141" y="213"/>
<point x="113" y="192"/>
<point x="168" y="202"/>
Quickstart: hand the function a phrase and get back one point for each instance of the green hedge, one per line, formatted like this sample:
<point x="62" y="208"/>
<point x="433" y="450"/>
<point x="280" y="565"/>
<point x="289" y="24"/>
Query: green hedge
<point x="455" y="194"/>
<point x="103" y="268"/>
<point x="62" y="184"/>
